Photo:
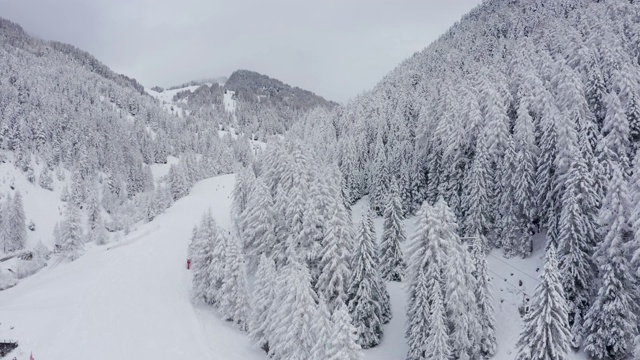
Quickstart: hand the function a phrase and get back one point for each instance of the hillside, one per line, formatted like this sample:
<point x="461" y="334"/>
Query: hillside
<point x="262" y="106"/>
<point x="77" y="144"/>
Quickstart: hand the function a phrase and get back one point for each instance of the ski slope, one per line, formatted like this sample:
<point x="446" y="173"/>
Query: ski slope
<point x="131" y="299"/>
<point x="126" y="301"/>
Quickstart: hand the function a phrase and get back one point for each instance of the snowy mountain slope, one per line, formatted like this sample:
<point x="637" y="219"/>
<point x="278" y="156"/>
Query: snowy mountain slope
<point x="131" y="299"/>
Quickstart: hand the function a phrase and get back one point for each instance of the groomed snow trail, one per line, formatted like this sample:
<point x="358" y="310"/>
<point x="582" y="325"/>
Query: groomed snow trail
<point x="131" y="301"/>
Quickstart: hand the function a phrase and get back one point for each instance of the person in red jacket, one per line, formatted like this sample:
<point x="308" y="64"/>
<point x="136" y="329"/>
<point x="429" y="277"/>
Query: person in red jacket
<point x="188" y="264"/>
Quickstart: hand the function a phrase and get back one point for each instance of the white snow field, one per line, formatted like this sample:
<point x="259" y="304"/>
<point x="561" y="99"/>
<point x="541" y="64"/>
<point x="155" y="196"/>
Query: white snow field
<point x="131" y="299"/>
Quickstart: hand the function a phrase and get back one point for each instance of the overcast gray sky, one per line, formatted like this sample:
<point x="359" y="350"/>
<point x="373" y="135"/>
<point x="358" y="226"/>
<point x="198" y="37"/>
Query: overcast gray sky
<point x="336" y="48"/>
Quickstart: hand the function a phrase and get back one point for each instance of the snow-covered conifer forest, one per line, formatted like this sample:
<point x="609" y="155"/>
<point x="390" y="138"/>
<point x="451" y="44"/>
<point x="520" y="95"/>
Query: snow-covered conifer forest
<point x="482" y="201"/>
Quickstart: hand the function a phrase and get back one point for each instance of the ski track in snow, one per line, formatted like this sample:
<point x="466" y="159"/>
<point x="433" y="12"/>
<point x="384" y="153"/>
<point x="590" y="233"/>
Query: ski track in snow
<point x="134" y="302"/>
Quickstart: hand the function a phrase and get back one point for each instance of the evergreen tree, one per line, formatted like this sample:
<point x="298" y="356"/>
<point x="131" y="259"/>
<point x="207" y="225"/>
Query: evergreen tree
<point x="335" y="272"/>
<point x="342" y="343"/>
<point x="323" y="330"/>
<point x="234" y="296"/>
<point x="524" y="177"/>
<point x="576" y="240"/>
<point x="178" y="182"/>
<point x="614" y="146"/>
<point x="71" y="243"/>
<point x="217" y="266"/>
<point x="259" y="234"/>
<point x="264" y="293"/>
<point x="292" y="336"/>
<point x="546" y="329"/>
<point x="16" y="224"/>
<point x="380" y="177"/>
<point x="611" y="322"/>
<point x="438" y="346"/>
<point x="5" y="229"/>
<point x="477" y="196"/>
<point x="428" y="248"/>
<point x="100" y="234"/>
<point x="484" y="300"/>
<point x="201" y="255"/>
<point x="392" y="264"/>
<point x="364" y="291"/>
<point x="244" y="185"/>
<point x="45" y="180"/>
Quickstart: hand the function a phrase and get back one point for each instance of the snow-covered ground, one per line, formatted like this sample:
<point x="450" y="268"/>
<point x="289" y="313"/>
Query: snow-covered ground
<point x="229" y="102"/>
<point x="131" y="299"/>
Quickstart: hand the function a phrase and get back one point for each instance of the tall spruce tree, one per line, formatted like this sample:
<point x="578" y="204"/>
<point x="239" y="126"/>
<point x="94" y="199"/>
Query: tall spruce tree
<point x="201" y="252"/>
<point x="342" y="343"/>
<point x="259" y="234"/>
<point x="611" y="322"/>
<point x="576" y="241"/>
<point x="334" y="265"/>
<point x="71" y="238"/>
<point x="264" y="293"/>
<point x="291" y="336"/>
<point x="323" y="330"/>
<point x="234" y="299"/>
<point x="392" y="263"/>
<point x="365" y="299"/>
<point x="484" y="300"/>
<point x="546" y="329"/>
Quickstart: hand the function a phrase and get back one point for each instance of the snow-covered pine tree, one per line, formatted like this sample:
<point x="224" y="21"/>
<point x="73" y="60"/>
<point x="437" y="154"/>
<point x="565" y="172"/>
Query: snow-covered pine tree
<point x="234" y="296"/>
<point x="524" y="177"/>
<point x="379" y="177"/>
<point x="612" y="320"/>
<point x="458" y="285"/>
<point x="545" y="172"/>
<point x="4" y="228"/>
<point x="244" y="185"/>
<point x="342" y="342"/>
<point x="437" y="342"/>
<point x="614" y="147"/>
<point x="508" y="231"/>
<point x="323" y="330"/>
<point x="100" y="234"/>
<point x="93" y="207"/>
<point x="216" y="269"/>
<point x="314" y="223"/>
<point x="546" y="329"/>
<point x="291" y="335"/>
<point x="45" y="180"/>
<point x="428" y="247"/>
<point x="177" y="182"/>
<point x="71" y="238"/>
<point x="201" y="254"/>
<point x="335" y="272"/>
<point x="14" y="220"/>
<point x="476" y="200"/>
<point x="364" y="297"/>
<point x="259" y="234"/>
<point x="392" y="263"/>
<point x="484" y="299"/>
<point x="264" y="293"/>
<point x="576" y="239"/>
<point x="419" y="318"/>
